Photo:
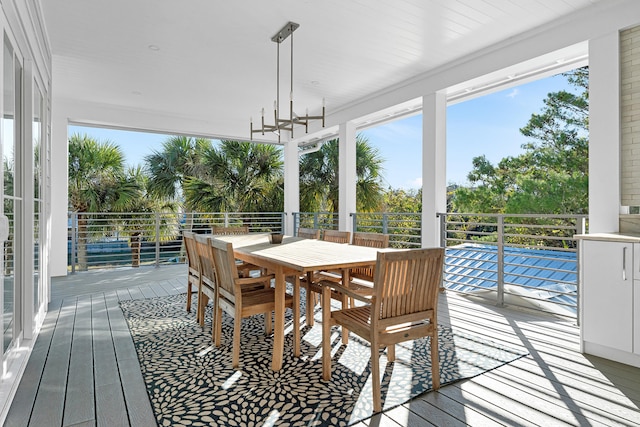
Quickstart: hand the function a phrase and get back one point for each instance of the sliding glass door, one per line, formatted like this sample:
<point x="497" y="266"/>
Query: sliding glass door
<point x="12" y="195"/>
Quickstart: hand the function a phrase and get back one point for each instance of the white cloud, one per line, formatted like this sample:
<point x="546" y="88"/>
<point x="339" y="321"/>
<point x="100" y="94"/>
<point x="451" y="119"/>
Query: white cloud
<point x="515" y="92"/>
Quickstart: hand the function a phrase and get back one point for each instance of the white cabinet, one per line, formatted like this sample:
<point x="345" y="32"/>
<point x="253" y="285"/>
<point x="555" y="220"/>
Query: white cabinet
<point x="610" y="299"/>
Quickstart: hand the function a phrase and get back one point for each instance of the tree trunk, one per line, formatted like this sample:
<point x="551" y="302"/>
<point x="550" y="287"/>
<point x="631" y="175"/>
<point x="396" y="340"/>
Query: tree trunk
<point x="136" y="244"/>
<point x="83" y="237"/>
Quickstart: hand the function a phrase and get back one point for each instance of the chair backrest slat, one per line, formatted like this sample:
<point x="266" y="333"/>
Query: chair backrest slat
<point x="226" y="231"/>
<point x="308" y="233"/>
<point x="336" y="236"/>
<point x="191" y="249"/>
<point x="207" y="269"/>
<point x="407" y="282"/>
<point x="225" y="265"/>
<point x="371" y="240"/>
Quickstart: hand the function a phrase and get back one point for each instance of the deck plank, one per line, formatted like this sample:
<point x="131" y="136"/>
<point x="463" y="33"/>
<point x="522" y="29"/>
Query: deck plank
<point x="79" y="400"/>
<point x="110" y="403"/>
<point x="49" y="403"/>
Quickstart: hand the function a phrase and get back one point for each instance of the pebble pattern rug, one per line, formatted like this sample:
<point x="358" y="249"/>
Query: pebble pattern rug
<point x="191" y="382"/>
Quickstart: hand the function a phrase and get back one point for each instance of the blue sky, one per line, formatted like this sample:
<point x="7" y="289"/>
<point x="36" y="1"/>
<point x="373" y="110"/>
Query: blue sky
<point x="486" y="125"/>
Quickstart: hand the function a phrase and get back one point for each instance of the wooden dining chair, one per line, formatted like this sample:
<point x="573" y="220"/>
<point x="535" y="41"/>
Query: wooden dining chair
<point x="403" y="307"/>
<point x="244" y="268"/>
<point x="310" y="281"/>
<point x="239" y="296"/>
<point x="308" y="233"/>
<point x="193" y="269"/>
<point x="207" y="286"/>
<point x="370" y="240"/>
<point x="336" y="236"/>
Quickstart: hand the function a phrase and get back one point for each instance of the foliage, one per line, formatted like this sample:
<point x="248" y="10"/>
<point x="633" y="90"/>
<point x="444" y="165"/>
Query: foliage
<point x="551" y="176"/>
<point x="399" y="200"/>
<point x="319" y="175"/>
<point x="97" y="178"/>
<point x="168" y="169"/>
<point x="237" y="177"/>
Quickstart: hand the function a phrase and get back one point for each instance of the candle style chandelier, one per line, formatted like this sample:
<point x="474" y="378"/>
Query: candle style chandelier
<point x="285" y="124"/>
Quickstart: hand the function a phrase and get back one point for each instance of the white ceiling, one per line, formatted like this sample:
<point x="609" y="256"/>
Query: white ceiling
<point x="213" y="62"/>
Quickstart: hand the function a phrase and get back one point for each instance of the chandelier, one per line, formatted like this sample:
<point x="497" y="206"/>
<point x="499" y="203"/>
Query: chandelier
<point x="285" y="123"/>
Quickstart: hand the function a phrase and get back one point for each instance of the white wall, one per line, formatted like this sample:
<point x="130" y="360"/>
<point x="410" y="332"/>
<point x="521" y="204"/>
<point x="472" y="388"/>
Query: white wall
<point x="604" y="133"/>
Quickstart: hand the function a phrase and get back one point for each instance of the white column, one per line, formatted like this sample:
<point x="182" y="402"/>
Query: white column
<point x="604" y="134"/>
<point x="59" y="195"/>
<point x="291" y="184"/>
<point x="434" y="174"/>
<point x="347" y="176"/>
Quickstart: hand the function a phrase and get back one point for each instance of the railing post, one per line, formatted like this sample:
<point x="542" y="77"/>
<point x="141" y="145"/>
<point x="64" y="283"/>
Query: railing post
<point x="355" y="222"/>
<point x="385" y="223"/>
<point x="580" y="229"/>
<point x="315" y="220"/>
<point x="500" y="267"/>
<point x="282" y="219"/>
<point x="226" y="219"/>
<point x="74" y="239"/>
<point x="157" y="239"/>
<point x="443" y="229"/>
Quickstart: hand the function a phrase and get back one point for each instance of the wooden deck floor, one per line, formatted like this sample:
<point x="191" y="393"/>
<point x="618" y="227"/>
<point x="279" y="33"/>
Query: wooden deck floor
<point x="84" y="371"/>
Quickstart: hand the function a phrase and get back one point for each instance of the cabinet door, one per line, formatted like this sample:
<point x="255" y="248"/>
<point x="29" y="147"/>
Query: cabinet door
<point x="607" y="299"/>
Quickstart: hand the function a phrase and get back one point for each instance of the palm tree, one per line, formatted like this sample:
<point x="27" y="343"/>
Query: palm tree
<point x="319" y="172"/>
<point x="146" y="209"/>
<point x="180" y="157"/>
<point x="238" y="176"/>
<point x="97" y="183"/>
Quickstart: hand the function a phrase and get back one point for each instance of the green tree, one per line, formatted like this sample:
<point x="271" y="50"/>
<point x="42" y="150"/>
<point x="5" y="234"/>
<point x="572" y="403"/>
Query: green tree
<point x="97" y="183"/>
<point x="319" y="172"/>
<point x="237" y="176"/>
<point x="141" y="214"/>
<point x="551" y="176"/>
<point x="180" y="157"/>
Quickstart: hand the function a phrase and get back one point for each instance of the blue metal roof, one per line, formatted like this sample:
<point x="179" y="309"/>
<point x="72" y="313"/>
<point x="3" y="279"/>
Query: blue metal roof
<point x="543" y="272"/>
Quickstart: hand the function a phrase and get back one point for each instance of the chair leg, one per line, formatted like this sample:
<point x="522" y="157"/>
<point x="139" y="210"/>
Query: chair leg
<point x="391" y="353"/>
<point x="189" y="292"/>
<point x="217" y="313"/>
<point x="310" y="299"/>
<point x="203" y="301"/>
<point x="375" y="375"/>
<point x="268" y="328"/>
<point x="345" y="331"/>
<point x="435" y="361"/>
<point x="237" y="322"/>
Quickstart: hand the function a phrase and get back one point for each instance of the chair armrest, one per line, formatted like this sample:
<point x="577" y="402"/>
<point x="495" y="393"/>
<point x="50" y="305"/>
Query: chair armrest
<point x="338" y="287"/>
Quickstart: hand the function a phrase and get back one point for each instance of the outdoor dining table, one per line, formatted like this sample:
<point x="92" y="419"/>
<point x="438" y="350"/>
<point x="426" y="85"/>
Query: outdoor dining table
<point x="294" y="257"/>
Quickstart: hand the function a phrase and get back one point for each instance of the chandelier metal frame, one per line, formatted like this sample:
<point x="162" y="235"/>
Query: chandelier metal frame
<point x="285" y="124"/>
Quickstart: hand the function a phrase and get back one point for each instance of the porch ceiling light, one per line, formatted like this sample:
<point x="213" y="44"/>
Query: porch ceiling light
<point x="286" y="123"/>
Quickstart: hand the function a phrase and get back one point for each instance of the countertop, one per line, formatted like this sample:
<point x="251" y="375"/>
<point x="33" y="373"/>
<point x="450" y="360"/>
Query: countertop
<point x="610" y="237"/>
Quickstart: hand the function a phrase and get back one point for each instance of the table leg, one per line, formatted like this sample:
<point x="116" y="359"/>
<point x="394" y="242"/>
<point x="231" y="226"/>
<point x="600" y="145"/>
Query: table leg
<point x="278" y="330"/>
<point x="326" y="333"/>
<point x="296" y="316"/>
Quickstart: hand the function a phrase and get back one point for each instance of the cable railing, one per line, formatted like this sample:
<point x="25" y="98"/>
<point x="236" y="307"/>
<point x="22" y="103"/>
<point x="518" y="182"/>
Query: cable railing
<point x="525" y="260"/>
<point x="404" y="228"/>
<point x="106" y="240"/>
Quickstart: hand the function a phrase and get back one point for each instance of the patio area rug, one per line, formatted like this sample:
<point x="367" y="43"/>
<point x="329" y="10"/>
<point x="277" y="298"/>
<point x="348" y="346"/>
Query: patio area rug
<point x="191" y="382"/>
